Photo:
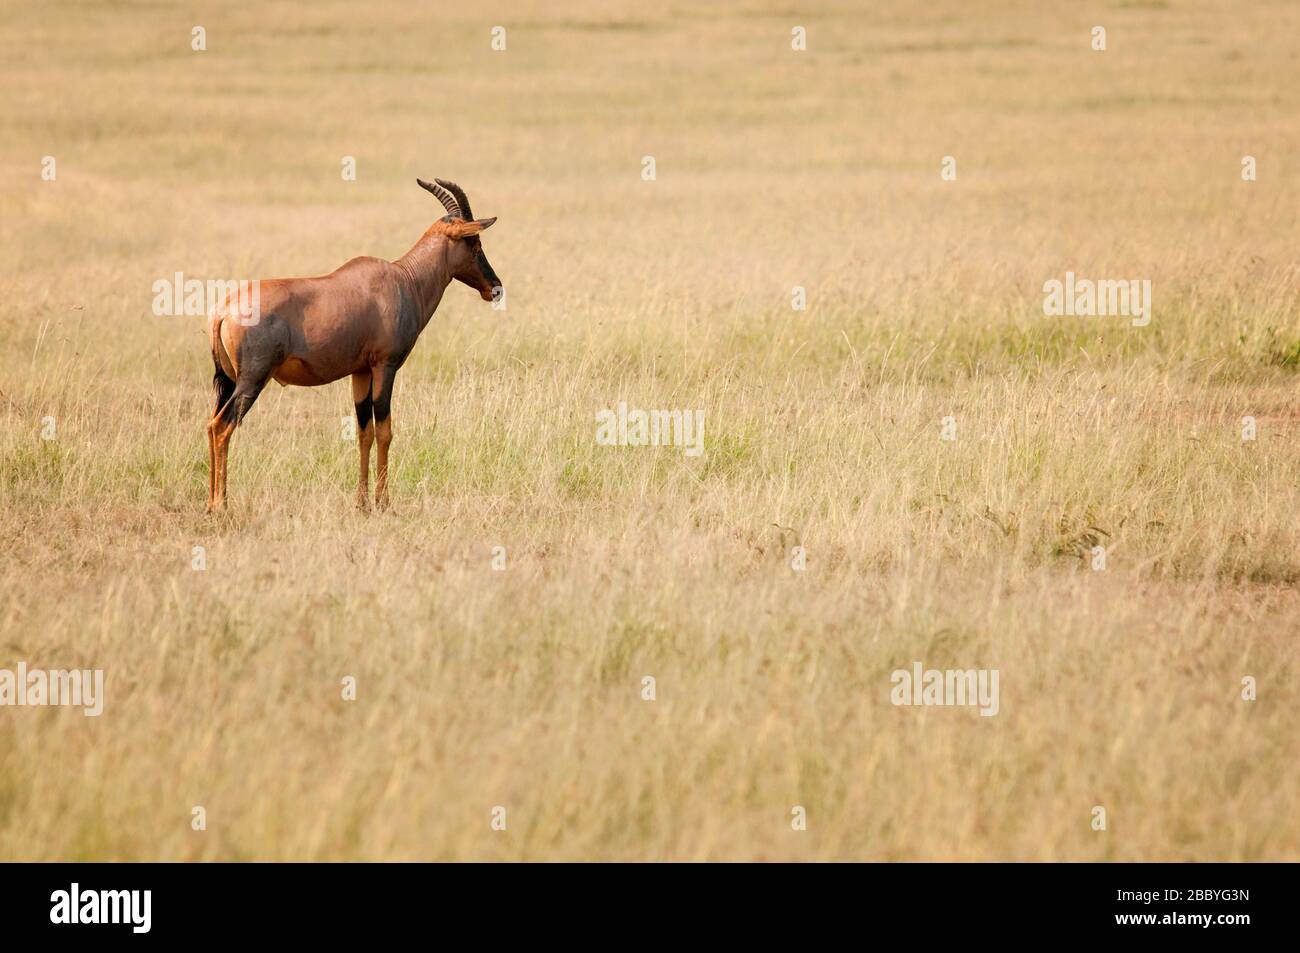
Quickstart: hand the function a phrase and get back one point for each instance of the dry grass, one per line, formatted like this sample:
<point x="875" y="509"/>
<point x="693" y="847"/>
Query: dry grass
<point x="522" y="688"/>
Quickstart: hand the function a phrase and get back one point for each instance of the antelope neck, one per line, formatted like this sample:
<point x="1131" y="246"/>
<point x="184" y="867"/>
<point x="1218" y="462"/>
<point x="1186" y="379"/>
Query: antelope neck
<point x="425" y="265"/>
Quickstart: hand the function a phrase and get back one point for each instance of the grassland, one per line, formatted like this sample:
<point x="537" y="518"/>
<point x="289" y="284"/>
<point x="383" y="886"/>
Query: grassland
<point x="522" y="688"/>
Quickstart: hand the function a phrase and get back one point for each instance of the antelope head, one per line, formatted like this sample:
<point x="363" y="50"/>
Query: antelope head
<point x="465" y="250"/>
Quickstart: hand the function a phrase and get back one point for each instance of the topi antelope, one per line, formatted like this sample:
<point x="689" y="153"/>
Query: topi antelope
<point x="362" y="320"/>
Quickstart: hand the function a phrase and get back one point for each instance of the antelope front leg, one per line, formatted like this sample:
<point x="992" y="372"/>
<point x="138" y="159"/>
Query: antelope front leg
<point x="383" y="391"/>
<point x="365" y="434"/>
<point x="384" y="430"/>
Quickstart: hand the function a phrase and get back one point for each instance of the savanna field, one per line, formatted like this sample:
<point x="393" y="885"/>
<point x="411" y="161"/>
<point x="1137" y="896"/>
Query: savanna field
<point x="522" y="687"/>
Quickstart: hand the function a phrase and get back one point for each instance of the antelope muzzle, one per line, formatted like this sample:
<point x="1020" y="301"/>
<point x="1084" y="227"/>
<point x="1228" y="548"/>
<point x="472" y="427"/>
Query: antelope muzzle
<point x="491" y="287"/>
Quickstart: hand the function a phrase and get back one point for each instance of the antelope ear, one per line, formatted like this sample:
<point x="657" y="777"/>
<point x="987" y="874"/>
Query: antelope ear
<point x="458" y="228"/>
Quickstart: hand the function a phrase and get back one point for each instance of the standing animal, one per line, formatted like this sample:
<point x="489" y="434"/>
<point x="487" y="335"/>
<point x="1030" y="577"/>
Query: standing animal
<point x="362" y="320"/>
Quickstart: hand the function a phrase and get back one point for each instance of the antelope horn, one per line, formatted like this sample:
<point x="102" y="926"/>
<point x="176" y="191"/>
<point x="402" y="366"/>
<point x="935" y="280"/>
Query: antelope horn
<point x="461" y="198"/>
<point x="447" y="199"/>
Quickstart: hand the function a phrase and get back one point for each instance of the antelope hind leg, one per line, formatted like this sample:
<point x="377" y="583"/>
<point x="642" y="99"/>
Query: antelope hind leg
<point x="223" y="387"/>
